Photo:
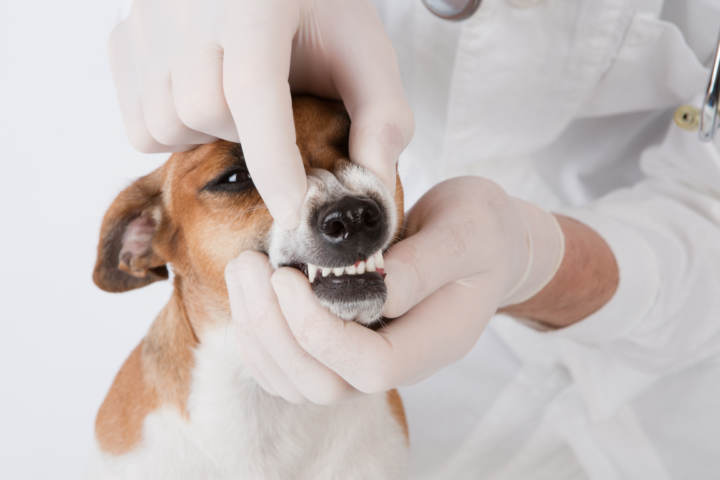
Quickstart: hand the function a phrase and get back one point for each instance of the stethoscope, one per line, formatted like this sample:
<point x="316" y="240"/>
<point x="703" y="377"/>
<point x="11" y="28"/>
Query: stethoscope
<point x="706" y="120"/>
<point x="709" y="113"/>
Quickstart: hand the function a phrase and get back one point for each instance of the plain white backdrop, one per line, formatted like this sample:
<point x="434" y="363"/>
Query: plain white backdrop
<point x="64" y="157"/>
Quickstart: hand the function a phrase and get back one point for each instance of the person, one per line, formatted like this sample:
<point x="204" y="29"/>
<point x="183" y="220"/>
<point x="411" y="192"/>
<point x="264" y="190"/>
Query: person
<point x="523" y="108"/>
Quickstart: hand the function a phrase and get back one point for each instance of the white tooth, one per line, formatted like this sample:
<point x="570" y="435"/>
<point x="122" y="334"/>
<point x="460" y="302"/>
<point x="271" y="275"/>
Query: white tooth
<point x="312" y="271"/>
<point x="351" y="270"/>
<point x="326" y="271"/>
<point x="338" y="271"/>
<point x="371" y="264"/>
<point x="379" y="262"/>
<point x="361" y="268"/>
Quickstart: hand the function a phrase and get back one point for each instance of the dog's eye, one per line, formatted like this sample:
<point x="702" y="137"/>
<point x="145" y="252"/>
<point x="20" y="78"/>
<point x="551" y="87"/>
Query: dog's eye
<point x="235" y="180"/>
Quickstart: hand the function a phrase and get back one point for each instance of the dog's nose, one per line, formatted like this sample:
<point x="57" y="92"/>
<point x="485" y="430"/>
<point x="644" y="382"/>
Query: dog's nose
<point x="352" y="224"/>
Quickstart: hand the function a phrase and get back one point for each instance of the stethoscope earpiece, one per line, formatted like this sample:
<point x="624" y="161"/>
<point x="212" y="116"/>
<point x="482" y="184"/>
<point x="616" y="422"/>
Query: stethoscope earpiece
<point x="452" y="9"/>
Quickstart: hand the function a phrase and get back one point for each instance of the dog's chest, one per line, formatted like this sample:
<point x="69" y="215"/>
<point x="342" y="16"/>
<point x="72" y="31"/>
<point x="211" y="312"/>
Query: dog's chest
<point x="237" y="431"/>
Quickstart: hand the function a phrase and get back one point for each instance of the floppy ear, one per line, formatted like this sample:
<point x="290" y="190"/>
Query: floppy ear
<point x="126" y="258"/>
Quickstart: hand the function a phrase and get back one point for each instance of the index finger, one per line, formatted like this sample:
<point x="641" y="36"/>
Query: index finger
<point x="256" y="65"/>
<point x="368" y="79"/>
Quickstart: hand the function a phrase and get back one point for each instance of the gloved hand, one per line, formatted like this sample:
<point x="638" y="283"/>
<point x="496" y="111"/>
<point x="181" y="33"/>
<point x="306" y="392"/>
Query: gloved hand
<point x="190" y="71"/>
<point x="470" y="249"/>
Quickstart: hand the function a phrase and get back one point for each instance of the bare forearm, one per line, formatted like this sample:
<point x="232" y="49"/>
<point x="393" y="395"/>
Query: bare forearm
<point x="586" y="280"/>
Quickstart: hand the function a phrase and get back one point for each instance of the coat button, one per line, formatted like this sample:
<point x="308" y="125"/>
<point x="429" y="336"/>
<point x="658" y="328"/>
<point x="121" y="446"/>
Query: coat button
<point x="687" y="117"/>
<point x="524" y="3"/>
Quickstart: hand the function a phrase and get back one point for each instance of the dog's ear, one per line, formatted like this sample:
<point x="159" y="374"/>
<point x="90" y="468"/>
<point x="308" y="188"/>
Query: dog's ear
<point x="126" y="257"/>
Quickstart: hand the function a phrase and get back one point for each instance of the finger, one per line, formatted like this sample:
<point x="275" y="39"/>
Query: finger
<point x="369" y="82"/>
<point x="197" y="86"/>
<point x="127" y="83"/>
<point x="411" y="348"/>
<point x="314" y="381"/>
<point x="261" y="365"/>
<point x="161" y="117"/>
<point x="246" y="343"/>
<point x="255" y="79"/>
<point x="255" y="374"/>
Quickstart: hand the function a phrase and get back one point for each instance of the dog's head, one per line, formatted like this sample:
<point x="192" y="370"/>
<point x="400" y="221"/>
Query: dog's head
<point x="200" y="210"/>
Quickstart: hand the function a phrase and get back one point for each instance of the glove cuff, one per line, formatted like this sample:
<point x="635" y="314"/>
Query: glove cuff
<point x="546" y="249"/>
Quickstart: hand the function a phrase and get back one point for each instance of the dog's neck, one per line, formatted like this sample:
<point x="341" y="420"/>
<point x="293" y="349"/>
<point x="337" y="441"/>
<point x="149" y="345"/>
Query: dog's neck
<point x="199" y="306"/>
<point x="176" y="332"/>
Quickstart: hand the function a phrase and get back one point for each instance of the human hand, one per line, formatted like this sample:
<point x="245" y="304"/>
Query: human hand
<point x="470" y="249"/>
<point x="191" y="71"/>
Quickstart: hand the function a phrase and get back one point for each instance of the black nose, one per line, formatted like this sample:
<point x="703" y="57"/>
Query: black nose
<point x="354" y="225"/>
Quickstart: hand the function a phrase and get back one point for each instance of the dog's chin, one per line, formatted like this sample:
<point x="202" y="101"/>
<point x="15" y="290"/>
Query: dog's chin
<point x="357" y="298"/>
<point x="354" y="298"/>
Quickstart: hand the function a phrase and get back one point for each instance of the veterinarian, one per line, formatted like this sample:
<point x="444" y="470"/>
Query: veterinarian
<point x="588" y="109"/>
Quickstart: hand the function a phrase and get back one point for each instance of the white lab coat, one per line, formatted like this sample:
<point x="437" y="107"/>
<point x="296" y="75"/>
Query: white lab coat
<point x="569" y="104"/>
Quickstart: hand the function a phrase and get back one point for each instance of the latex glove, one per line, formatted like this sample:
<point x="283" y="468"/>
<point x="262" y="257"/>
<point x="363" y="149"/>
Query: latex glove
<point x="189" y="71"/>
<point x="470" y="249"/>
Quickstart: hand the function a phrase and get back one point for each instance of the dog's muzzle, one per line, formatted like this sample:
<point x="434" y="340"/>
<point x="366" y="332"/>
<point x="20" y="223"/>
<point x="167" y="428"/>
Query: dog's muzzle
<point x="348" y="220"/>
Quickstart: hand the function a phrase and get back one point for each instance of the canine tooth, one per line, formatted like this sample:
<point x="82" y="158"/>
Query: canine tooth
<point x="312" y="271"/>
<point x="351" y="270"/>
<point x="361" y="268"/>
<point x="370" y="264"/>
<point x="338" y="271"/>
<point x="326" y="271"/>
<point x="379" y="261"/>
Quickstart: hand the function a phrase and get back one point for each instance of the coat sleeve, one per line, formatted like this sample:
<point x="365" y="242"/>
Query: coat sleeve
<point x="665" y="234"/>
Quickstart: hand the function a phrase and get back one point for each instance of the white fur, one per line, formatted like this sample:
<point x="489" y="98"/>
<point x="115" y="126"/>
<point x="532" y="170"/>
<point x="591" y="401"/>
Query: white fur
<point x="298" y="245"/>
<point x="236" y="431"/>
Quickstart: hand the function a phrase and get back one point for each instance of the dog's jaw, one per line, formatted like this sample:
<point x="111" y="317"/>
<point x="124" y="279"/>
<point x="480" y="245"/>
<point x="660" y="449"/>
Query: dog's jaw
<point x="363" y="299"/>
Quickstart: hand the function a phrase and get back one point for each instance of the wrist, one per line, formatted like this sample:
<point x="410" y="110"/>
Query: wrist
<point x="545" y="243"/>
<point x="586" y="280"/>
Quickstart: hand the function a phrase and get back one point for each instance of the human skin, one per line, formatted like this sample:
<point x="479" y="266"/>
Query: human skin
<point x="586" y="280"/>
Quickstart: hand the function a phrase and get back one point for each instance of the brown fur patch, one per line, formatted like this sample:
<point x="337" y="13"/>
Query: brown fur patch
<point x="118" y="426"/>
<point x="398" y="411"/>
<point x="157" y="372"/>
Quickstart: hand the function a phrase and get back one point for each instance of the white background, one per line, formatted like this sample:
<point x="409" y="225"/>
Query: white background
<point x="64" y="156"/>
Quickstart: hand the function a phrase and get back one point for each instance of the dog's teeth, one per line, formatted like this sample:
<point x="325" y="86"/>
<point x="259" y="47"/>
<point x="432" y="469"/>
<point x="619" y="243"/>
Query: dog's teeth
<point x="326" y="271"/>
<point x="361" y="268"/>
<point x="338" y="271"/>
<point x="351" y="270"/>
<point x="312" y="271"/>
<point x="370" y="264"/>
<point x="379" y="261"/>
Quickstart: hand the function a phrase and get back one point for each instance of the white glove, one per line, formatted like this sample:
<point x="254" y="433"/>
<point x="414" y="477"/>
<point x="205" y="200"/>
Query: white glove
<point x="470" y="249"/>
<point x="189" y="71"/>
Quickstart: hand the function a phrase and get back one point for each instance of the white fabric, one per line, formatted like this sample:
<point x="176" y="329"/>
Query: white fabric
<point x="568" y="104"/>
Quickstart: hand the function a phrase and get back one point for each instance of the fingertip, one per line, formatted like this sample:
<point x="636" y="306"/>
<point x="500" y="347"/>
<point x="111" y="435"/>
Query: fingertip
<point x="400" y="286"/>
<point x="247" y="261"/>
<point x="287" y="281"/>
<point x="287" y="216"/>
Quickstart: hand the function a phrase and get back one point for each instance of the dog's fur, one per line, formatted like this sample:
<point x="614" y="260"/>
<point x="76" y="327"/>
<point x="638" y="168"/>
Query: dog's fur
<point x="182" y="406"/>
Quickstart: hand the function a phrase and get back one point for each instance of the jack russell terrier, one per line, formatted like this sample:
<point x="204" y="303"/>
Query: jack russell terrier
<point x="182" y="406"/>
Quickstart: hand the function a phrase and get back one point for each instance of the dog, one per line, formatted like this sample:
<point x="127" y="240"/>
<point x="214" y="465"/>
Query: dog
<point x="182" y="406"/>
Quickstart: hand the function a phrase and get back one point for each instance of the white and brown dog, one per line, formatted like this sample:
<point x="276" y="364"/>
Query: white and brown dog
<point x="182" y="406"/>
